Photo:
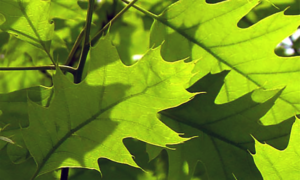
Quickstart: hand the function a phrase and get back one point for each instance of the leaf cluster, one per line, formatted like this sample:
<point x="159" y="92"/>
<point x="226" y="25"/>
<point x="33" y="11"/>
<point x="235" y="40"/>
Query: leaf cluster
<point x="144" y="90"/>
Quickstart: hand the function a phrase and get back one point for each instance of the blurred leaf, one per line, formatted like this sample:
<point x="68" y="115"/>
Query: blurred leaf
<point x="66" y="10"/>
<point x="269" y="7"/>
<point x="28" y="20"/>
<point x="3" y="40"/>
<point x="130" y="37"/>
<point x="14" y="115"/>
<point x="8" y="171"/>
<point x="21" y="54"/>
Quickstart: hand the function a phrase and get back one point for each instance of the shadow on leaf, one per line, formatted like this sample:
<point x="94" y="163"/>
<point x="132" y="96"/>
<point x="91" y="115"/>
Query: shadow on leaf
<point x="223" y="132"/>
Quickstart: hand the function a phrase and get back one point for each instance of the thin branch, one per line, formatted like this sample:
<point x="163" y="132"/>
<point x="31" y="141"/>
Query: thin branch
<point x="99" y="34"/>
<point x="74" y="48"/>
<point x="64" y="174"/>
<point x="148" y="13"/>
<point x="85" y="47"/>
<point x="49" y="55"/>
<point x="40" y="68"/>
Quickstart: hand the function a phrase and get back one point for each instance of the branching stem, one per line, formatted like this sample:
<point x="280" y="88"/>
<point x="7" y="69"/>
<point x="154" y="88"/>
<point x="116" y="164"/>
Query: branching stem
<point x="74" y="48"/>
<point x="83" y="35"/>
<point x="99" y="34"/>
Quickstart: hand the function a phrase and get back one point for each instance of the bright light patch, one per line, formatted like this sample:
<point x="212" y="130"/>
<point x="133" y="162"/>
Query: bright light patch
<point x="99" y="1"/>
<point x="137" y="57"/>
<point x="296" y="35"/>
<point x="186" y="167"/>
<point x="287" y="41"/>
<point x="289" y="51"/>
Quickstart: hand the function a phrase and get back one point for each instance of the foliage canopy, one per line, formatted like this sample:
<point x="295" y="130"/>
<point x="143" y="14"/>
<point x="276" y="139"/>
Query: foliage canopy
<point x="112" y="90"/>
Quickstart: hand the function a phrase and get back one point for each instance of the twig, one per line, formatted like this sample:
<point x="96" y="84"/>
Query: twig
<point x="40" y="68"/>
<point x="64" y="174"/>
<point x="74" y="48"/>
<point x="85" y="47"/>
<point x="99" y="34"/>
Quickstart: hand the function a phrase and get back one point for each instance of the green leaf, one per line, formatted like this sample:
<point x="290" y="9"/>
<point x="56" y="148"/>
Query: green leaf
<point x="66" y="10"/>
<point x="296" y="44"/>
<point x="269" y="7"/>
<point x="21" y="54"/>
<point x="2" y="19"/>
<point x="89" y="120"/>
<point x="14" y="114"/>
<point x="274" y="164"/>
<point x="3" y="41"/>
<point x="130" y="37"/>
<point x="10" y="170"/>
<point x="21" y="171"/>
<point x="209" y="32"/>
<point x="28" y="20"/>
<point x="223" y="133"/>
<point x="112" y="170"/>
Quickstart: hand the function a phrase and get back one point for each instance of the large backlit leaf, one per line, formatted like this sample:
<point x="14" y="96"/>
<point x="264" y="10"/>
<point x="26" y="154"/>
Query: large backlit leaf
<point x="224" y="133"/>
<point x="89" y="120"/>
<point x="209" y="32"/>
